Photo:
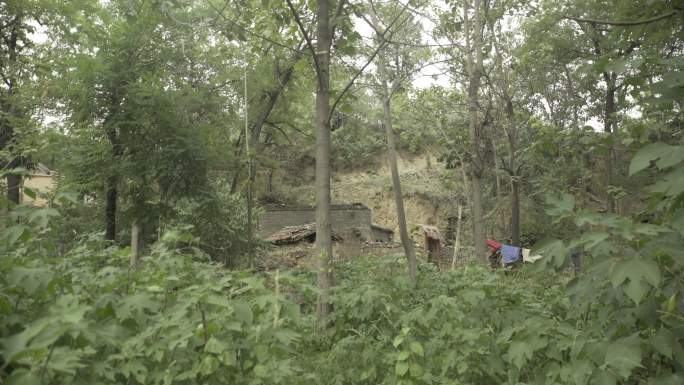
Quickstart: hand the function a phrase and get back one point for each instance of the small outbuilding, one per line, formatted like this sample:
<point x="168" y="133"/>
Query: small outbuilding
<point x="381" y="234"/>
<point x="431" y="240"/>
<point x="40" y="180"/>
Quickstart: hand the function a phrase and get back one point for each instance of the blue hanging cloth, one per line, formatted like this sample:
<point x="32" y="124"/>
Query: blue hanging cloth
<point x="510" y="254"/>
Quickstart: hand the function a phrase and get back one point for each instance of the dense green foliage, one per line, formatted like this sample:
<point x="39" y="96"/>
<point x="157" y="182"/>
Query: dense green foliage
<point x="169" y="123"/>
<point x="87" y="317"/>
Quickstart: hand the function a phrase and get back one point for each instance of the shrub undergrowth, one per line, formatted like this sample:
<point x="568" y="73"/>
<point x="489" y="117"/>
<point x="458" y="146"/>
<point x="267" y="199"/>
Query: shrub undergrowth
<point x="86" y="317"/>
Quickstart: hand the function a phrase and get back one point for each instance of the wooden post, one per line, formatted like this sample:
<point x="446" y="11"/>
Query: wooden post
<point x="457" y="242"/>
<point x="135" y="244"/>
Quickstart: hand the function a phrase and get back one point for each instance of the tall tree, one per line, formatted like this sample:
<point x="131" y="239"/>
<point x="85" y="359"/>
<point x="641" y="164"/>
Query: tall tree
<point x="602" y="45"/>
<point x="386" y="94"/>
<point x="473" y="29"/>
<point x="503" y="84"/>
<point x="14" y="60"/>
<point x="326" y="24"/>
<point x="135" y="87"/>
<point x="321" y="58"/>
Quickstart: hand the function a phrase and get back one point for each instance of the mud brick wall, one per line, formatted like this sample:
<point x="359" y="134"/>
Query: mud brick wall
<point x="381" y="235"/>
<point x="345" y="219"/>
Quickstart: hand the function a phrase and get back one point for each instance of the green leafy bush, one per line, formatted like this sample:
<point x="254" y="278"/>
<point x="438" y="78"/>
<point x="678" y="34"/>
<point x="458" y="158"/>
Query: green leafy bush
<point x="85" y="317"/>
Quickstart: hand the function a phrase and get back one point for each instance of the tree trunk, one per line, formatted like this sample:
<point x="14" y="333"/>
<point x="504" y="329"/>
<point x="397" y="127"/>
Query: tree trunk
<point x="14" y="188"/>
<point x="7" y="132"/>
<point x="250" y="174"/>
<point x="608" y="128"/>
<point x="323" y="229"/>
<point x="392" y="157"/>
<point x="478" y="218"/>
<point x="396" y="184"/>
<point x="512" y="134"/>
<point x="110" y="209"/>
<point x="515" y="211"/>
<point x="112" y="180"/>
<point x="497" y="179"/>
<point x="474" y="60"/>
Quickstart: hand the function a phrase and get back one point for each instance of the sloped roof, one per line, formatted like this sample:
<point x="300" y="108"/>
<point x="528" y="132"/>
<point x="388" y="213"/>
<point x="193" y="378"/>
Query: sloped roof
<point x="38" y="168"/>
<point x="383" y="229"/>
<point x="293" y="234"/>
<point x="430" y="231"/>
<point x="282" y="207"/>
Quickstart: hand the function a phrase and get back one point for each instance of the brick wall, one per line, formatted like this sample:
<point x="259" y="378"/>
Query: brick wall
<point x="346" y="219"/>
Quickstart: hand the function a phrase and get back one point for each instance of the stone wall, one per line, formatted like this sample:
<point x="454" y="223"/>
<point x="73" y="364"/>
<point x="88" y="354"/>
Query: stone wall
<point x="348" y="221"/>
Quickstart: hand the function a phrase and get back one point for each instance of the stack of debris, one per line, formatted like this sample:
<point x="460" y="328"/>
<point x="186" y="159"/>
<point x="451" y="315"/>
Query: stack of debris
<point x="292" y="234"/>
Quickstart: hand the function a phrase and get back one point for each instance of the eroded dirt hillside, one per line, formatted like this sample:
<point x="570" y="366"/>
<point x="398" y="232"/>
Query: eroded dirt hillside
<point x="427" y="199"/>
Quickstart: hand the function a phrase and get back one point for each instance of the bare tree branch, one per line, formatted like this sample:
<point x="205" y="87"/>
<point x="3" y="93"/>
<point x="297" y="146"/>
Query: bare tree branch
<point x="375" y="53"/>
<point x="305" y="34"/>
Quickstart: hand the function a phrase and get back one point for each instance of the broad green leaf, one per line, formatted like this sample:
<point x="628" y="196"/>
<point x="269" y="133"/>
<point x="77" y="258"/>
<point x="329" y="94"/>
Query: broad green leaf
<point x="416" y="369"/>
<point x="210" y="364"/>
<point x="553" y="250"/>
<point x="286" y="336"/>
<point x="473" y="296"/>
<point x="215" y="346"/>
<point x="519" y="353"/>
<point x="671" y="184"/>
<point x="650" y="271"/>
<point x="603" y="377"/>
<point x="243" y="312"/>
<point x="662" y="342"/>
<point x="593" y="239"/>
<point x="581" y="370"/>
<point x="5" y="304"/>
<point x="261" y="371"/>
<point x="136" y="370"/>
<point x="66" y="360"/>
<point x="403" y="355"/>
<point x="30" y="280"/>
<point x="401" y="368"/>
<point x="560" y="205"/>
<point x="291" y="311"/>
<point x="398" y="340"/>
<point x="22" y="376"/>
<point x="15" y="233"/>
<point x="665" y="154"/>
<point x="29" y="192"/>
<point x="218" y="300"/>
<point x="624" y="355"/>
<point x="41" y="217"/>
<point x="636" y="290"/>
<point x="135" y="304"/>
<point x="66" y="196"/>
<point x="417" y="348"/>
<point x="677" y="222"/>
<point x="228" y="358"/>
<point x="636" y="269"/>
